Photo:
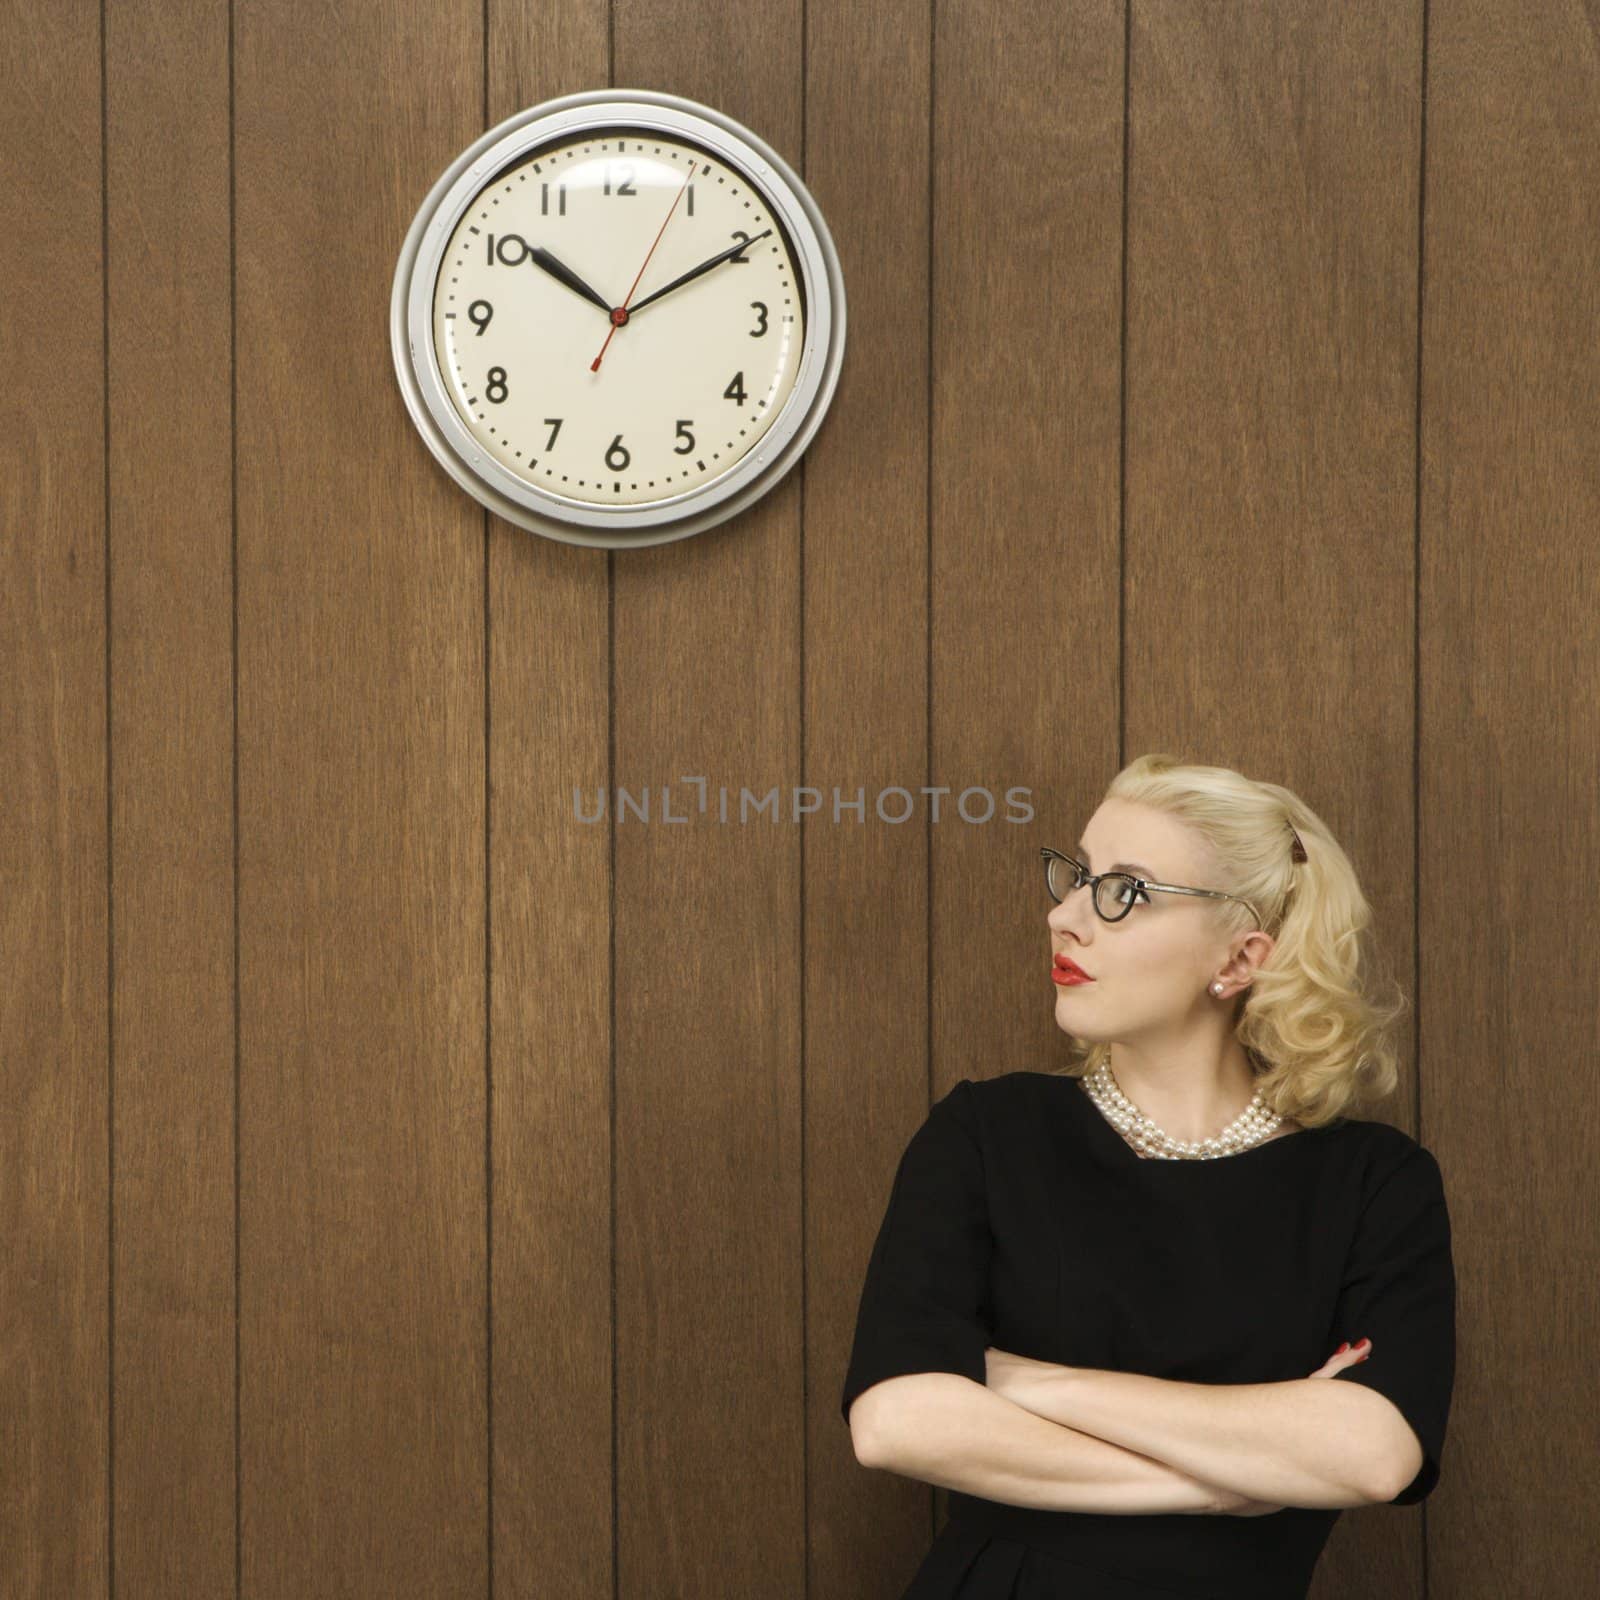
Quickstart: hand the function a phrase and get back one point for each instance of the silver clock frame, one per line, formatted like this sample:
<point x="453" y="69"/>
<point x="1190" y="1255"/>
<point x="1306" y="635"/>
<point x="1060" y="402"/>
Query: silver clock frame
<point x="562" y="517"/>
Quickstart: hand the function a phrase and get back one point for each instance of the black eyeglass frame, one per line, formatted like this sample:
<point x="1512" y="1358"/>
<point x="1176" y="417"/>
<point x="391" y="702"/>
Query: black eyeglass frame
<point x="1094" y="880"/>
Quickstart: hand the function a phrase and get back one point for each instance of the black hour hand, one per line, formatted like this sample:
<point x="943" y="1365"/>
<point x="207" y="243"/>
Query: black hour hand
<point x="694" y="272"/>
<point x="562" y="273"/>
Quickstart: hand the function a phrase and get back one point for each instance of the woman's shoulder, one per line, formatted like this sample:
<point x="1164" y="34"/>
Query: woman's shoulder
<point x="1388" y="1147"/>
<point x="1012" y="1093"/>
<point x="1022" y="1103"/>
<point x="1004" y="1084"/>
<point x="1390" y="1155"/>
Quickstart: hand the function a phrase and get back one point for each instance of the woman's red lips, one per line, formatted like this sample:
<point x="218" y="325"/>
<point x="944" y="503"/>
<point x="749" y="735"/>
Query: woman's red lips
<point x="1066" y="970"/>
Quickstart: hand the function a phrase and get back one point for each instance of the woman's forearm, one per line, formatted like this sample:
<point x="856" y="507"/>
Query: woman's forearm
<point x="947" y="1430"/>
<point x="1301" y="1442"/>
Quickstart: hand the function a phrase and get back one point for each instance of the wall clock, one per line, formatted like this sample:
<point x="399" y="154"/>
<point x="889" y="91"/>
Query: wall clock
<point x="618" y="318"/>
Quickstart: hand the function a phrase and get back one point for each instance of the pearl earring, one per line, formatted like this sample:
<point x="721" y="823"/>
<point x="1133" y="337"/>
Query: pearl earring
<point x="1216" y="988"/>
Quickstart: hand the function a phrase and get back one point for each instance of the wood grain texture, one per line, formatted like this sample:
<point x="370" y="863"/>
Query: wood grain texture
<point x="170" y="394"/>
<point x="1024" y="534"/>
<point x="54" y="857"/>
<point x="363" y="1270"/>
<point x="1509" y="768"/>
<point x="554" y="1352"/>
<point x="865" y="645"/>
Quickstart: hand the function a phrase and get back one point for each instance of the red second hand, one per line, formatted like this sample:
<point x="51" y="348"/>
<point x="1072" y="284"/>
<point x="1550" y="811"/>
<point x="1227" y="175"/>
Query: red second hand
<point x="620" y="315"/>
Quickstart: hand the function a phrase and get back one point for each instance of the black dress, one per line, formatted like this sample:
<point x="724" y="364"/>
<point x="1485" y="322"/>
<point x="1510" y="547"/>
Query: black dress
<point x="1020" y="1218"/>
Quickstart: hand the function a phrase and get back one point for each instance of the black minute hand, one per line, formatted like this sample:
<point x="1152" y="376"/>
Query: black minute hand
<point x="694" y="272"/>
<point x="564" y="274"/>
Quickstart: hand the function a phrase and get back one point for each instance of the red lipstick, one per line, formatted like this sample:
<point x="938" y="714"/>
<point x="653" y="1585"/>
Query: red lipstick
<point x="1064" y="970"/>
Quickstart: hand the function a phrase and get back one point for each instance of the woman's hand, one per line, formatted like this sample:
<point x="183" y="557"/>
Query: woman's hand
<point x="1345" y="1356"/>
<point x="1235" y="1505"/>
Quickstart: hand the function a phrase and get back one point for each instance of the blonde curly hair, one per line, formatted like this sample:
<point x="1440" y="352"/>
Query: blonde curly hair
<point x="1322" y="1046"/>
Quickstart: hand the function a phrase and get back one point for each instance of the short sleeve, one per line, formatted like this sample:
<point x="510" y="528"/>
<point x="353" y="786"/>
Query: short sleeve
<point x="1399" y="1290"/>
<point x="923" y="1305"/>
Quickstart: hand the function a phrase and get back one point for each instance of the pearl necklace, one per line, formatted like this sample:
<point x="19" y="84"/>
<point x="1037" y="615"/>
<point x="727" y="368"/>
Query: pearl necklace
<point x="1253" y="1126"/>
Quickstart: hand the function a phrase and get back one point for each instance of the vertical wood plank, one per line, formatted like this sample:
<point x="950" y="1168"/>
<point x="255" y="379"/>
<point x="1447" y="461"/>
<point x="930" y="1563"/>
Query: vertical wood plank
<point x="1510" y="767"/>
<point x="1271" y="425"/>
<point x="865" y="609"/>
<point x="1026" y="291"/>
<point x="54" y="870"/>
<point x="706" y="679"/>
<point x="363" y="1408"/>
<point x="1025" y="541"/>
<point x="171" y="485"/>
<point x="551" y="976"/>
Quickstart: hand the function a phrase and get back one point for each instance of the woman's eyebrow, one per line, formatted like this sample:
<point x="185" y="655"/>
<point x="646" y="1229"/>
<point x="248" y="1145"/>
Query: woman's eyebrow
<point x="1117" y="866"/>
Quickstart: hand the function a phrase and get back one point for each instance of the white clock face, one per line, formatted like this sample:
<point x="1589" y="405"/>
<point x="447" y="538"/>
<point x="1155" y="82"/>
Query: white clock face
<point x="564" y="350"/>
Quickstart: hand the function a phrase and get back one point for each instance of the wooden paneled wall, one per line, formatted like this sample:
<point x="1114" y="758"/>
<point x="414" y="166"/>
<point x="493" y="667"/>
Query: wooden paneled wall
<point x="408" y="1189"/>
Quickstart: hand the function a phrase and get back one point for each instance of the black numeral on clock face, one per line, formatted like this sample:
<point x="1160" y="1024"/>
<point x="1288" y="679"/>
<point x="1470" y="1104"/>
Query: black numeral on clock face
<point x="555" y="428"/>
<point x="507" y="249"/>
<point x="739" y="260"/>
<point x="735" y="389"/>
<point x="625" y="187"/>
<point x="617" y="457"/>
<point x="687" y="447"/>
<point x="481" y="313"/>
<point x="761" y="327"/>
<point x="544" y="199"/>
<point x="497" y="381"/>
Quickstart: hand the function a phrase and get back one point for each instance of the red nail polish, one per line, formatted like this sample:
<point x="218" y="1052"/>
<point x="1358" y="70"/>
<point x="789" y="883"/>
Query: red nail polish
<point x="1342" y="1348"/>
<point x="1363" y="1344"/>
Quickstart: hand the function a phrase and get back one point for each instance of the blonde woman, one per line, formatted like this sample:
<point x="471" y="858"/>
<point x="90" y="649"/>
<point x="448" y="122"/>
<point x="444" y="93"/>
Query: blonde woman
<point x="1105" y="1302"/>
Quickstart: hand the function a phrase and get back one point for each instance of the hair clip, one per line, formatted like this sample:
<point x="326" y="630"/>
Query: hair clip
<point x="1297" y="851"/>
